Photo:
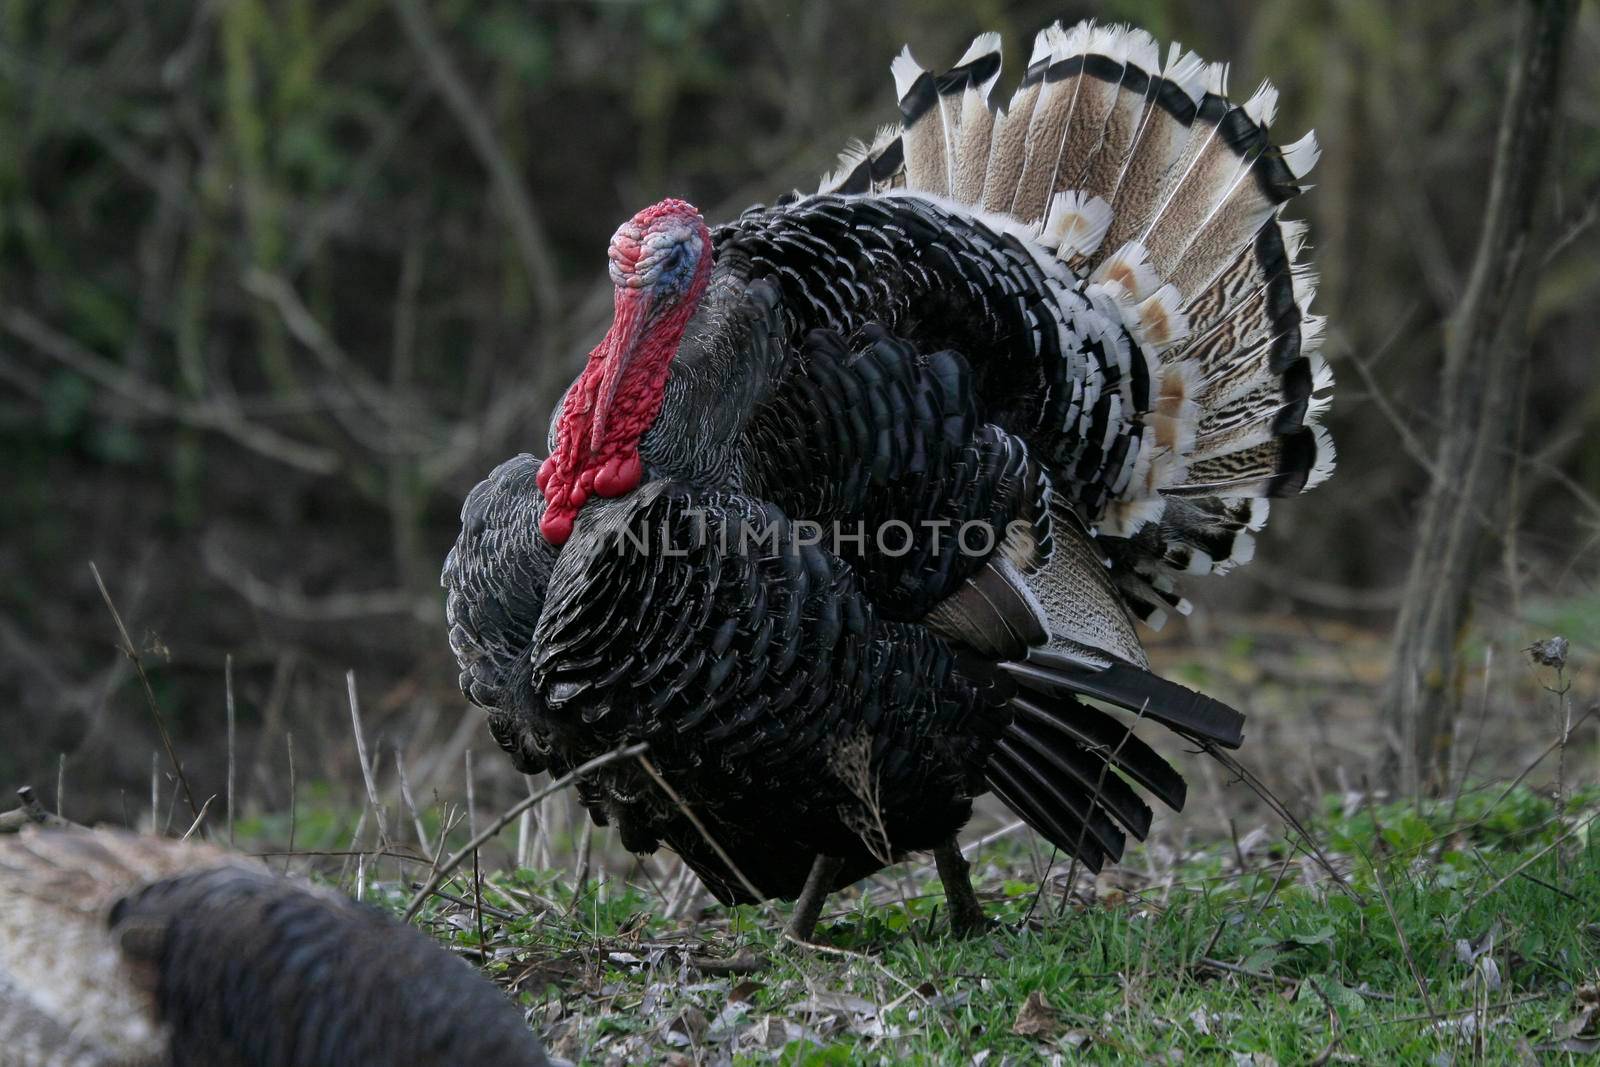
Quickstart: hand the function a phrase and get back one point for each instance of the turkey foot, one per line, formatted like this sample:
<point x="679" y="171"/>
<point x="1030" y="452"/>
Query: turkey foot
<point x="966" y="914"/>
<point x="808" y="908"/>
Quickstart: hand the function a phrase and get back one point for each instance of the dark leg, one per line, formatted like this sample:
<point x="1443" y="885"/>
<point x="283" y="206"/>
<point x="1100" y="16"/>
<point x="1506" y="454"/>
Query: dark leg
<point x="966" y="915"/>
<point x="819" y="883"/>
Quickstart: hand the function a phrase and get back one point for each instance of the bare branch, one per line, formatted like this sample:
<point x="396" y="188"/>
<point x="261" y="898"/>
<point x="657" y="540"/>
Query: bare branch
<point x="442" y="871"/>
<point x="150" y="695"/>
<point x="214" y="416"/>
<point x="526" y="227"/>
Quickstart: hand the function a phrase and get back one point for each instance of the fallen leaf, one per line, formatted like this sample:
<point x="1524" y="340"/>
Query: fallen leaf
<point x="729" y="1021"/>
<point x="1076" y="1039"/>
<point x="1036" y="1019"/>
<point x="691" y="1023"/>
<point x="1576" y="1025"/>
<point x="745" y="990"/>
<point x="824" y="1003"/>
<point x="1581" y="1045"/>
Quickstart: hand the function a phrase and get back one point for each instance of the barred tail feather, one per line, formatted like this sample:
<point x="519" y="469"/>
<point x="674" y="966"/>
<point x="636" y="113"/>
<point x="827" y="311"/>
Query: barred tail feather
<point x="1166" y="197"/>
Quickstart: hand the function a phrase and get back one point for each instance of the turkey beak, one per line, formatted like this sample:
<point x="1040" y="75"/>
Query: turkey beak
<point x="629" y="326"/>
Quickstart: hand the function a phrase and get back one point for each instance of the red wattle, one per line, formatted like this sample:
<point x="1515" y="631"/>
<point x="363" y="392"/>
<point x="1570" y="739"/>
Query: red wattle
<point x="619" y="475"/>
<point x="556" y="525"/>
<point x="619" y="394"/>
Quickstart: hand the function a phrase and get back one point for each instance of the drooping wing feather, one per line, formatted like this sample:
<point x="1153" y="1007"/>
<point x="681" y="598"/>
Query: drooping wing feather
<point x="495" y="578"/>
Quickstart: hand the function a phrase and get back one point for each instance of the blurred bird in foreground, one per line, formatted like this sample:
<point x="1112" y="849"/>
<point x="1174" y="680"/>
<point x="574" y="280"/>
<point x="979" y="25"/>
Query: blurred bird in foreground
<point x="118" y="950"/>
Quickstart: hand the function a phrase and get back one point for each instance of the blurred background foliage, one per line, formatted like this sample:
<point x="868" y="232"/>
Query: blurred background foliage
<point x="281" y="279"/>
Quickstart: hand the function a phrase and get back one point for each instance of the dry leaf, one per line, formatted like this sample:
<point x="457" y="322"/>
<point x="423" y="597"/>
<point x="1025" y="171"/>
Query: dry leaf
<point x="1037" y="1018"/>
<point x="745" y="990"/>
<point x="1076" y="1039"/>
<point x="691" y="1023"/>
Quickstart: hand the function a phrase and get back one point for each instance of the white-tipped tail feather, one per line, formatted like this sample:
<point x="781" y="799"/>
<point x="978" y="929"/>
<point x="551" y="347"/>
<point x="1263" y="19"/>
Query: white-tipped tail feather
<point x="1165" y="199"/>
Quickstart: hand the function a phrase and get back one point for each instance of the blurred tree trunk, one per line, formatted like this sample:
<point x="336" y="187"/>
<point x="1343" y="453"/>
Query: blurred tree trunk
<point x="1485" y="351"/>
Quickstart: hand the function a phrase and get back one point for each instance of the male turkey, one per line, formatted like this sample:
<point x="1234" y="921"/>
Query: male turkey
<point x="864" y="490"/>
<point x="123" y="950"/>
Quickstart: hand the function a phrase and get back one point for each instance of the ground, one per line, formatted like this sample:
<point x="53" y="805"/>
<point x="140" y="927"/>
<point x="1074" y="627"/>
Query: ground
<point x="1307" y="919"/>
<point x="1453" y="930"/>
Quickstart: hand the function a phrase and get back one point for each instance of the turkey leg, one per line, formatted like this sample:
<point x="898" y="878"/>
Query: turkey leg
<point x="808" y="908"/>
<point x="966" y="914"/>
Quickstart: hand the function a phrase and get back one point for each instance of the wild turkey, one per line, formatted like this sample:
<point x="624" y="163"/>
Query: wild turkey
<point x="1076" y="322"/>
<point x="123" y="950"/>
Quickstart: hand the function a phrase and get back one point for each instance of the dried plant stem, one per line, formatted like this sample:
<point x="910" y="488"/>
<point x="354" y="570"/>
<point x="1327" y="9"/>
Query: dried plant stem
<point x="689" y="814"/>
<point x="410" y="802"/>
<point x="288" y="740"/>
<point x="580" y="872"/>
<point x="442" y="870"/>
<point x="149" y="696"/>
<point x="227" y="675"/>
<point x="366" y="763"/>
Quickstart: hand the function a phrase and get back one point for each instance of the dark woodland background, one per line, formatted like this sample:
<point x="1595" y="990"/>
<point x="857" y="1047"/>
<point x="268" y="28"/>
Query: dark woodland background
<point x="280" y="280"/>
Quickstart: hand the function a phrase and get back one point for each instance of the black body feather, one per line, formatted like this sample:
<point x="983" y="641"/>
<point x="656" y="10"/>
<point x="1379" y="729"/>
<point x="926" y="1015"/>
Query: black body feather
<point x="897" y="354"/>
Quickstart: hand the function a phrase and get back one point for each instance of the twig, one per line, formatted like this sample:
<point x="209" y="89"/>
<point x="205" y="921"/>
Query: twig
<point x="1309" y="845"/>
<point x="213" y="415"/>
<point x="305" y="328"/>
<point x="343" y="853"/>
<point x="227" y="677"/>
<point x="442" y="870"/>
<point x="580" y="871"/>
<point x="742" y="963"/>
<point x="1234" y="968"/>
<point x="409" y="802"/>
<point x="198" y="818"/>
<point x="844" y="953"/>
<point x="526" y="228"/>
<point x="366" y="764"/>
<point x="31" y="813"/>
<point x="1436" y="1015"/>
<point x="149" y="693"/>
<point x="1529" y="862"/>
<point x="487" y="909"/>
<point x="472" y="796"/>
<point x="1334" y="1036"/>
<point x="1400" y="932"/>
<point x="293" y="604"/>
<point x="689" y="814"/>
<point x="288" y="739"/>
<point x="971" y="848"/>
<point x="477" y="909"/>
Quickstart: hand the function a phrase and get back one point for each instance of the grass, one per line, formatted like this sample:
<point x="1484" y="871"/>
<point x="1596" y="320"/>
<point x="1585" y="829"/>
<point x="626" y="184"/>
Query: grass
<point x="1455" y="931"/>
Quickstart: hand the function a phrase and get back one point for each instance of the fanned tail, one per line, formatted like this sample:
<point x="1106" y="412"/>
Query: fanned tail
<point x="1166" y="198"/>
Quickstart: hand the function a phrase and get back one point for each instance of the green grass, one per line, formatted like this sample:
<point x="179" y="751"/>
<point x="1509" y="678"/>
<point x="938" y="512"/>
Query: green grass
<point x="1193" y="960"/>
